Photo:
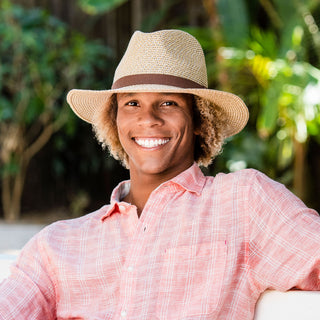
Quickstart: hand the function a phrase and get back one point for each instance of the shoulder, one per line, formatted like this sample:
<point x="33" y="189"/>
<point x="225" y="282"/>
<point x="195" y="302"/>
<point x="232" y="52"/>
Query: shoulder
<point x="261" y="192"/>
<point x="244" y="177"/>
<point x="74" y="227"/>
<point x="240" y="175"/>
<point x="246" y="184"/>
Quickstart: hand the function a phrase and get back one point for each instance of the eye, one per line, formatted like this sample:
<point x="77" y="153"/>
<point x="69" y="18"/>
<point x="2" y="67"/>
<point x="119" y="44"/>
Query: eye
<point x="169" y="103"/>
<point x="132" y="104"/>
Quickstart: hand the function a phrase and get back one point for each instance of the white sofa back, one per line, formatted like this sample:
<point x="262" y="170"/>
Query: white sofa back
<point x="290" y="305"/>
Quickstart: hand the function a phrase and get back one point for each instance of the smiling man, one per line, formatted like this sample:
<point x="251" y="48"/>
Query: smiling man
<point x="172" y="243"/>
<point x="157" y="133"/>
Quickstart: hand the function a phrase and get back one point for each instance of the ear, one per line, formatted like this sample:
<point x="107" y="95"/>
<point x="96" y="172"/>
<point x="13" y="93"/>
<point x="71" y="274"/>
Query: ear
<point x="196" y="131"/>
<point x="196" y="118"/>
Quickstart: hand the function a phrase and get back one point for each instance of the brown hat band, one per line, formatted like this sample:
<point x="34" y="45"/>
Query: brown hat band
<point x="154" y="78"/>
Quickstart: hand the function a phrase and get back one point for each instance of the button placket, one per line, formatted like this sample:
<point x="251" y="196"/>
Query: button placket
<point x="128" y="281"/>
<point x="147" y="220"/>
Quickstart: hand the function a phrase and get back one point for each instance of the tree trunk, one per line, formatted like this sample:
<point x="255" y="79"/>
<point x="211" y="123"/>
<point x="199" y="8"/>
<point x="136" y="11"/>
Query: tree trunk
<point x="300" y="170"/>
<point x="6" y="196"/>
<point x="136" y="14"/>
<point x="13" y="184"/>
<point x="12" y="188"/>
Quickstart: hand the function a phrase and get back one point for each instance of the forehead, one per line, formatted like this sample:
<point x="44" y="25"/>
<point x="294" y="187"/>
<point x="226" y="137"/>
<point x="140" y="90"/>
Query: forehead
<point x="154" y="95"/>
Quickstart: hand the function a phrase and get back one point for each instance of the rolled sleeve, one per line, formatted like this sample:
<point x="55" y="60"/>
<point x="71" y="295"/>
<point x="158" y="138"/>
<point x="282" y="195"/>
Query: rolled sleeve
<point x="284" y="245"/>
<point x="28" y="293"/>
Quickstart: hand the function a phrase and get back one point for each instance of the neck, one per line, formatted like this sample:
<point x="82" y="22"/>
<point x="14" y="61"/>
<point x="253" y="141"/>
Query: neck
<point x="142" y="186"/>
<point x="140" y="191"/>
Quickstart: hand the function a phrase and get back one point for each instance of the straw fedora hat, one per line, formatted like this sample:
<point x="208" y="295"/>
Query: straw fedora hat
<point x="162" y="61"/>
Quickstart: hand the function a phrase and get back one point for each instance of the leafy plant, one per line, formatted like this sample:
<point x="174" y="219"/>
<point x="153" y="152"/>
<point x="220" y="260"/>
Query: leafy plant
<point x="99" y="6"/>
<point x="270" y="68"/>
<point x="40" y="60"/>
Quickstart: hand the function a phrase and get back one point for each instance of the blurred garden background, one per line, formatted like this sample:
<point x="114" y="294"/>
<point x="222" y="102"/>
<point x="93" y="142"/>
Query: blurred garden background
<point x="265" y="51"/>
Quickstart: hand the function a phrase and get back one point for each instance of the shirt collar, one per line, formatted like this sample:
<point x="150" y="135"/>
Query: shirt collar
<point x="118" y="193"/>
<point x="192" y="180"/>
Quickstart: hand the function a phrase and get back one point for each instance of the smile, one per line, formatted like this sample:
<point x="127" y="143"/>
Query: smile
<point x="151" y="142"/>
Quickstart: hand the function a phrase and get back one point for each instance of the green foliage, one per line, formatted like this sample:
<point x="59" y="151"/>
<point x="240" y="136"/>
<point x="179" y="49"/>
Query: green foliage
<point x="233" y="16"/>
<point x="263" y="43"/>
<point x="99" y="6"/>
<point x="40" y="61"/>
<point x="270" y="69"/>
<point x="151" y="21"/>
<point x="290" y="15"/>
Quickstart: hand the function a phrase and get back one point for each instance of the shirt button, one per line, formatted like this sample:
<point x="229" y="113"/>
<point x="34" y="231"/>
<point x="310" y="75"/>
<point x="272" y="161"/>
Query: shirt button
<point x="122" y="208"/>
<point x="130" y="268"/>
<point x="123" y="313"/>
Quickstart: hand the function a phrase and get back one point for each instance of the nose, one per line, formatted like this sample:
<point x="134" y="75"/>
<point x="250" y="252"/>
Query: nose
<point x="149" y="117"/>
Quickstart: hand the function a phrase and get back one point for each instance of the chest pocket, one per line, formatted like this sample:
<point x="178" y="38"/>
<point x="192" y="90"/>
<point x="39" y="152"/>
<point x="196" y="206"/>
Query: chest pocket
<point x="191" y="281"/>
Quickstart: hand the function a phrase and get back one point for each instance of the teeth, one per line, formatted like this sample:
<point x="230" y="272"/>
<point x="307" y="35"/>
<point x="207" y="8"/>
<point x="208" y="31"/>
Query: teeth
<point x="150" y="142"/>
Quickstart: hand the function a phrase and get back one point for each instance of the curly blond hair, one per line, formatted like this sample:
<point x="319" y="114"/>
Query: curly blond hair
<point x="209" y="120"/>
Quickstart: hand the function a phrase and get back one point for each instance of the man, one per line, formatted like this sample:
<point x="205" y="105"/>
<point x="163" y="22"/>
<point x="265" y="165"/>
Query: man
<point x="172" y="243"/>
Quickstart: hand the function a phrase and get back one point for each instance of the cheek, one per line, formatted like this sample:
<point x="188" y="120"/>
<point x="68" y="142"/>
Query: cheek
<point x="123" y="128"/>
<point x="120" y="126"/>
<point x="189" y="134"/>
<point x="187" y="127"/>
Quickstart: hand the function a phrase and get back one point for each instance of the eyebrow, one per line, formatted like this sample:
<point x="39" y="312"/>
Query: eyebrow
<point x="126" y="94"/>
<point x="130" y="94"/>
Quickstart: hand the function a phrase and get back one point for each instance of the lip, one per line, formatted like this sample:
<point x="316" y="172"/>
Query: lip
<point x="151" y="143"/>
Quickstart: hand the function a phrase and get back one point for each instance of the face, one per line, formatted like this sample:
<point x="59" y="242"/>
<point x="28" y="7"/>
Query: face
<point x="157" y="133"/>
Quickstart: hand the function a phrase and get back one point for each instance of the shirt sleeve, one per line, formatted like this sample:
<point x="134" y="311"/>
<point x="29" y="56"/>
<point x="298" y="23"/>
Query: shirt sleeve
<point x="28" y="293"/>
<point x="284" y="238"/>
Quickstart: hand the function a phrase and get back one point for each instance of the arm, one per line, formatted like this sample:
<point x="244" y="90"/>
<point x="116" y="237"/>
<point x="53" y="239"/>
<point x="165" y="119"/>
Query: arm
<point x="29" y="291"/>
<point x="284" y="238"/>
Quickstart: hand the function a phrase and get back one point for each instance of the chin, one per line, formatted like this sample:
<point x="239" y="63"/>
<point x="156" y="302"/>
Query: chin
<point x="153" y="167"/>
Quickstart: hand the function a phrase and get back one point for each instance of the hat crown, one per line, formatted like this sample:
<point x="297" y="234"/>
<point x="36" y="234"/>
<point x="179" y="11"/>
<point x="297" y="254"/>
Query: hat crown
<point x="167" y="52"/>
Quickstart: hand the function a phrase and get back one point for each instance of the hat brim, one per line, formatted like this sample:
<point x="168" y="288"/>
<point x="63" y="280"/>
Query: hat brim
<point x="85" y="103"/>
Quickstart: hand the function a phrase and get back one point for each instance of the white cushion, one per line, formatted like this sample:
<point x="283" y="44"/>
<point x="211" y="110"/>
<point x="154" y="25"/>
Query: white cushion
<point x="291" y="305"/>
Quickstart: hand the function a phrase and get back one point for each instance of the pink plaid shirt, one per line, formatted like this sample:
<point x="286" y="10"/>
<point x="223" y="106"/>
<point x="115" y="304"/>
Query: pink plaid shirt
<point x="203" y="248"/>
